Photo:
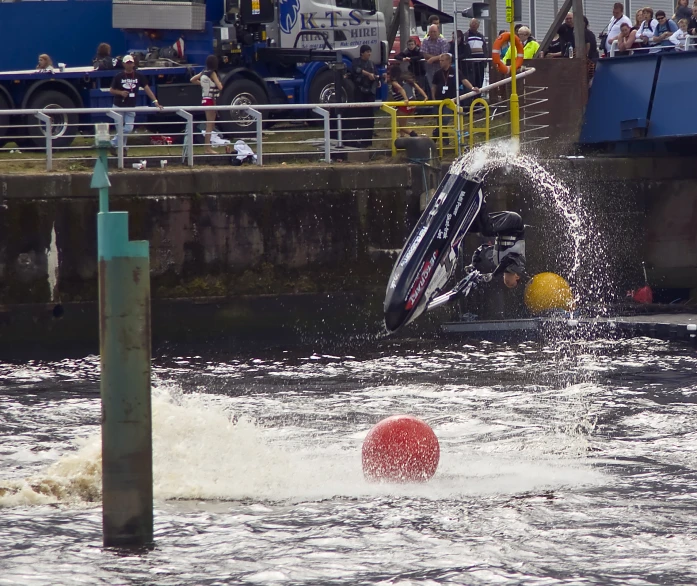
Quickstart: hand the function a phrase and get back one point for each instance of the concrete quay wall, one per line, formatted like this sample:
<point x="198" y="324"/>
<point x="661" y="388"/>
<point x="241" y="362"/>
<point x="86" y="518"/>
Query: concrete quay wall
<point x="212" y="232"/>
<point x="283" y="230"/>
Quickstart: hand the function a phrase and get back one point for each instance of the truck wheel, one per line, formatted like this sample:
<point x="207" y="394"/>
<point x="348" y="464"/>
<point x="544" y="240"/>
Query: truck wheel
<point x="322" y="92"/>
<point x="241" y="92"/>
<point x="64" y="125"/>
<point x="322" y="89"/>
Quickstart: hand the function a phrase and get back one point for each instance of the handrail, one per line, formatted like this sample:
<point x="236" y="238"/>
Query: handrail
<point x="689" y="46"/>
<point x="520" y="74"/>
<point x="48" y="119"/>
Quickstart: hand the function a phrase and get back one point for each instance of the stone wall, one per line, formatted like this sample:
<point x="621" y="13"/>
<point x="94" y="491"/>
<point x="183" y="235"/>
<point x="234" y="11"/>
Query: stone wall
<point x="211" y="232"/>
<point x="253" y="231"/>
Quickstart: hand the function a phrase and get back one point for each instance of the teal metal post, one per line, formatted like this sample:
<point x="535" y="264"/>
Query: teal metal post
<point x="124" y="341"/>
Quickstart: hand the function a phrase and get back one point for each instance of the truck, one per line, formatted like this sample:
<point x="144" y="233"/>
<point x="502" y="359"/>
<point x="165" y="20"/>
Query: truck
<point x="270" y="52"/>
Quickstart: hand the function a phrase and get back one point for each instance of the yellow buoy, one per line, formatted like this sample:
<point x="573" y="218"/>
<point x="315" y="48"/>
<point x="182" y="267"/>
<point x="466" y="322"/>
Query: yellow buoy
<point x="548" y="291"/>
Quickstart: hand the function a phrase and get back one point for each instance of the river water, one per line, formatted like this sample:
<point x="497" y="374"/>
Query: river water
<point x="561" y="463"/>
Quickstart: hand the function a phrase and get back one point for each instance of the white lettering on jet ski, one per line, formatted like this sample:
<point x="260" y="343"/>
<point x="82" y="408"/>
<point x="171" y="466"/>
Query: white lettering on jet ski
<point x="410" y="251"/>
<point x="445" y="230"/>
<point x="418" y="287"/>
<point x="459" y="202"/>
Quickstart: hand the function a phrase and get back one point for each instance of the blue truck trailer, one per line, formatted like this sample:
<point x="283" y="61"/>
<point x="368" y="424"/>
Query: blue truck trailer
<point x="270" y="51"/>
<point x="75" y="87"/>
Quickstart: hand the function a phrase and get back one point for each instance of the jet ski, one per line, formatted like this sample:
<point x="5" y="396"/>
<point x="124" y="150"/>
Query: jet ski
<point x="429" y="257"/>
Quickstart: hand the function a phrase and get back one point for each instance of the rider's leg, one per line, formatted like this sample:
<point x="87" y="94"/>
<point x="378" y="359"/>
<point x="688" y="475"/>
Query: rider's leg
<point x="507" y="224"/>
<point x="483" y="259"/>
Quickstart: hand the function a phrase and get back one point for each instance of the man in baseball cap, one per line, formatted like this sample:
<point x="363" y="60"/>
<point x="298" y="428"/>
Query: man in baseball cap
<point x="124" y="88"/>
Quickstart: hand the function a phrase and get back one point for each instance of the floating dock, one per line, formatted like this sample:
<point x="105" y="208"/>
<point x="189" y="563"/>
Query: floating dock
<point x="665" y="326"/>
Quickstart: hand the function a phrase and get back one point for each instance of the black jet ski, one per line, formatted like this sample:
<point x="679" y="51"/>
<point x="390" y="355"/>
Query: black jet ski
<point x="429" y="256"/>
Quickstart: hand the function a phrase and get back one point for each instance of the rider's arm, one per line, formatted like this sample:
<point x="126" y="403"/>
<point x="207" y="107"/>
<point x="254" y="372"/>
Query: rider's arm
<point x="512" y="259"/>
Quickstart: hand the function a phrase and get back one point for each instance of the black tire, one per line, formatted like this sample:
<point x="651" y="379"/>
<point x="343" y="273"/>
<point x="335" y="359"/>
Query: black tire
<point x="322" y="92"/>
<point x="240" y="92"/>
<point x="4" y="121"/>
<point x="64" y="126"/>
<point x="322" y="89"/>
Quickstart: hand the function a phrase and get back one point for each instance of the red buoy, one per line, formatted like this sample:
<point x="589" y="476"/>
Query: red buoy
<point x="643" y="295"/>
<point x="400" y="448"/>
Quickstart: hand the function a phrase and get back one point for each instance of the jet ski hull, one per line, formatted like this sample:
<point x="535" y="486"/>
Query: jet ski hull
<point x="429" y="256"/>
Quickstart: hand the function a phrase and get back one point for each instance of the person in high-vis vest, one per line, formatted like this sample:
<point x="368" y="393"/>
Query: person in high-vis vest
<point x="531" y="48"/>
<point x="507" y="255"/>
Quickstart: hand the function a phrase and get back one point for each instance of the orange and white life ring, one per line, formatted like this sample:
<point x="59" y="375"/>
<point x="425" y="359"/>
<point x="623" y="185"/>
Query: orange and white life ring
<point x="496" y="53"/>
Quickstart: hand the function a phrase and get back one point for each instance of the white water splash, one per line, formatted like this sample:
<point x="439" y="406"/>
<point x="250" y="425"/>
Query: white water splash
<point x="579" y="225"/>
<point x="202" y="450"/>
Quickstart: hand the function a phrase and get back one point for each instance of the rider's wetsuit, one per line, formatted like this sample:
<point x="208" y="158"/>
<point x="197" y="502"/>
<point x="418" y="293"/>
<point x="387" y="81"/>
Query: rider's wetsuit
<point x="507" y="254"/>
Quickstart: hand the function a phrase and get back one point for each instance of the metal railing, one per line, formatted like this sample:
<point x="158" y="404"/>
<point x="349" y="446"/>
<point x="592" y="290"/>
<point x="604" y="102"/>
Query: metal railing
<point x="690" y="45"/>
<point x="323" y="130"/>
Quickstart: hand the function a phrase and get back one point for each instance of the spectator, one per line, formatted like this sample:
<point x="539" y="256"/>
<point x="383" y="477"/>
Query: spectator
<point x="682" y="10"/>
<point x="531" y="47"/>
<point x="556" y="48"/>
<point x="626" y="42"/>
<point x="504" y="47"/>
<point x="103" y="59"/>
<point x="443" y="87"/>
<point x="124" y="88"/>
<point x="692" y="24"/>
<point x="591" y="44"/>
<point x="592" y="55"/>
<point x="210" y="89"/>
<point x="679" y="37"/>
<point x="404" y="88"/>
<point x="613" y="28"/>
<point x="476" y="49"/>
<point x="433" y="19"/>
<point x="638" y="18"/>
<point x="664" y="30"/>
<point x="461" y="51"/>
<point x="45" y="63"/>
<point x="566" y="34"/>
<point x="645" y="32"/>
<point x="415" y="61"/>
<point x="366" y="82"/>
<point x="432" y="48"/>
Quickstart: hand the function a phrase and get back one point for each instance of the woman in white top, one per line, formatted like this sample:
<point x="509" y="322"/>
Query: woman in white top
<point x="45" y="63"/>
<point x="210" y="88"/>
<point x="644" y="34"/>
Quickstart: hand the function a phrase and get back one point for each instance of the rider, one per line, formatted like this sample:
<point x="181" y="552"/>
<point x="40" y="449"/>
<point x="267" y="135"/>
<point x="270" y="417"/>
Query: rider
<point x="507" y="254"/>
